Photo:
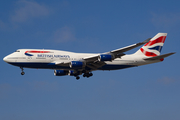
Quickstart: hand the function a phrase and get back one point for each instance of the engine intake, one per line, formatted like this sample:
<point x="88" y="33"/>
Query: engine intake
<point x="76" y="64"/>
<point x="60" y="72"/>
<point x="105" y="57"/>
<point x="74" y="73"/>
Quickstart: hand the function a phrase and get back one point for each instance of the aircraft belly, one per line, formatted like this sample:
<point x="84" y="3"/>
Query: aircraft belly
<point x="53" y="66"/>
<point x="38" y="65"/>
<point x="118" y="64"/>
<point x="115" y="67"/>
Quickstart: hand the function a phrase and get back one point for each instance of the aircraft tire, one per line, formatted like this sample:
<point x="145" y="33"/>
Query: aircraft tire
<point x="22" y="73"/>
<point x="77" y="78"/>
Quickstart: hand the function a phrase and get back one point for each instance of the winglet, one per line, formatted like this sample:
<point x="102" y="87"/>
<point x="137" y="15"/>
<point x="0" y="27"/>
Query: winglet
<point x="147" y="40"/>
<point x="144" y="42"/>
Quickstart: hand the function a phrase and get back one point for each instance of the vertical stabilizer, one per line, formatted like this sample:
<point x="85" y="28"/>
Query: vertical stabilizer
<point x="153" y="47"/>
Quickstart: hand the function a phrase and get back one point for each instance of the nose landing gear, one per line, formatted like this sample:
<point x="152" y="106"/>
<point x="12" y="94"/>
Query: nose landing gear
<point x="22" y="71"/>
<point x="77" y="77"/>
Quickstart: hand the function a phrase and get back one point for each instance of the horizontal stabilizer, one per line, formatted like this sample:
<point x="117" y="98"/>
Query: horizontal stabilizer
<point x="159" y="57"/>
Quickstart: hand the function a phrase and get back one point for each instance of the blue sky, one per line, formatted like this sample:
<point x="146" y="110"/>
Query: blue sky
<point x="93" y="26"/>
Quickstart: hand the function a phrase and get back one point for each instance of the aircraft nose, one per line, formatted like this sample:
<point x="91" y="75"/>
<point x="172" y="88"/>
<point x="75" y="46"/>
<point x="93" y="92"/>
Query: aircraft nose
<point x="5" y="59"/>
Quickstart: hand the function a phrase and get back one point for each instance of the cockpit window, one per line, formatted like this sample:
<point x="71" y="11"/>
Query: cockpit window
<point x="17" y="51"/>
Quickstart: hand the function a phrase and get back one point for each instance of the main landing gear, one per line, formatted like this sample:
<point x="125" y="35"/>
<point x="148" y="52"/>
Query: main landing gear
<point x="22" y="72"/>
<point x="87" y="75"/>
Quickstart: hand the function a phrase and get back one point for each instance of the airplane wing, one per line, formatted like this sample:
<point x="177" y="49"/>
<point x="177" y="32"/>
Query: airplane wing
<point x="124" y="49"/>
<point x="116" y="53"/>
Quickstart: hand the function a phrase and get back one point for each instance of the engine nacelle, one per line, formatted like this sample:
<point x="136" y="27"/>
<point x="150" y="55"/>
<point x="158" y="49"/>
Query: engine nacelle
<point x="76" y="64"/>
<point x="60" y="72"/>
<point x="74" y="73"/>
<point x="105" y="57"/>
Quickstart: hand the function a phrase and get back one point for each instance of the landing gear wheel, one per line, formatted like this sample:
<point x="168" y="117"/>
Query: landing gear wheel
<point x="87" y="75"/>
<point x="77" y="78"/>
<point x="22" y="73"/>
<point x="90" y="74"/>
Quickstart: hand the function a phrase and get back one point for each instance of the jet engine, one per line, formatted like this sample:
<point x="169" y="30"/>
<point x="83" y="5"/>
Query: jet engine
<point x="60" y="72"/>
<point x="76" y="64"/>
<point x="74" y="73"/>
<point x="105" y="57"/>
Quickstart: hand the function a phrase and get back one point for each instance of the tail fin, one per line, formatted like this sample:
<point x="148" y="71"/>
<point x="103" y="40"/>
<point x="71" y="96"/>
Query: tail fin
<point x="153" y="47"/>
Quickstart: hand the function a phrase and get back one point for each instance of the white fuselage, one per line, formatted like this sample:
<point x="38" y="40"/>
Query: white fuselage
<point x="48" y="60"/>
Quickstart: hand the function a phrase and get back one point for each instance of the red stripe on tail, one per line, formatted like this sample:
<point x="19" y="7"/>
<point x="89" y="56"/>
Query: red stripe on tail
<point x="149" y="54"/>
<point x="158" y="40"/>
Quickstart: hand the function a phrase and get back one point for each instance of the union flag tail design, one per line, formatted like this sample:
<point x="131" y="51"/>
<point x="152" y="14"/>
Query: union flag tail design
<point x="153" y="47"/>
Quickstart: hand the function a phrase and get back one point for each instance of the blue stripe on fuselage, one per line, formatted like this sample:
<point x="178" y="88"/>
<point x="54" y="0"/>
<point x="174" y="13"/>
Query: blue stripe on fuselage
<point x="53" y="66"/>
<point x="28" y="54"/>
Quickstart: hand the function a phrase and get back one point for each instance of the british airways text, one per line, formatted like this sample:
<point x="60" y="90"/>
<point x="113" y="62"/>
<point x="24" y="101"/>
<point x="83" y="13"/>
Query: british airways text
<point x="54" y="56"/>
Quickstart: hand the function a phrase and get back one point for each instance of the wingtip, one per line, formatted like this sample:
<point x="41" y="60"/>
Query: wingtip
<point x="147" y="40"/>
<point x="173" y="53"/>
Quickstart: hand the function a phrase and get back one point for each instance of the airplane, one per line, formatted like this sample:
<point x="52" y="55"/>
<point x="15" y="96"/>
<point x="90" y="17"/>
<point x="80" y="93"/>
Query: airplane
<point x="75" y="64"/>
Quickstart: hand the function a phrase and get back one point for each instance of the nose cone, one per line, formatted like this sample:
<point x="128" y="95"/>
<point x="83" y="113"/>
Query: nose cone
<point x="5" y="59"/>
